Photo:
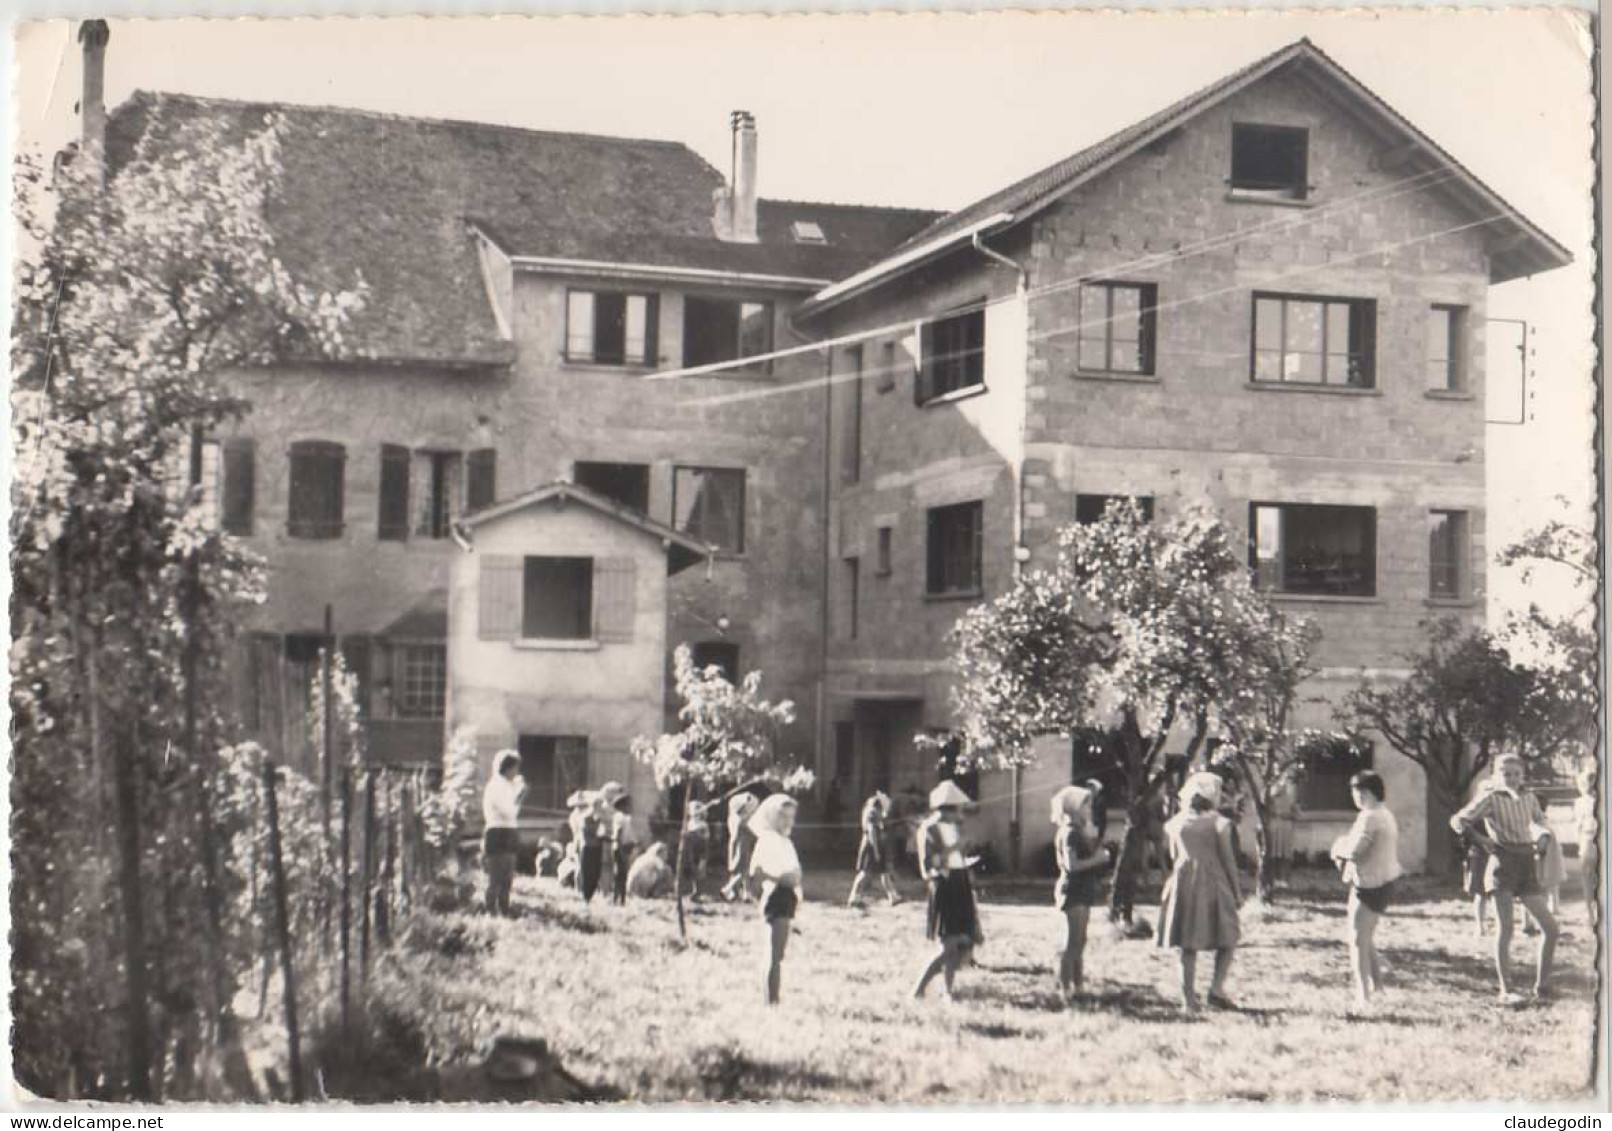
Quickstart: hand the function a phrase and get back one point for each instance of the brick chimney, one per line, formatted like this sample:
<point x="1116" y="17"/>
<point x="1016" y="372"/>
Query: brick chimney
<point x="736" y="204"/>
<point x="93" y="34"/>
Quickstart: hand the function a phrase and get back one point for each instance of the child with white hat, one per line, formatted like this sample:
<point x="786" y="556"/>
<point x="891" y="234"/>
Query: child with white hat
<point x="953" y="917"/>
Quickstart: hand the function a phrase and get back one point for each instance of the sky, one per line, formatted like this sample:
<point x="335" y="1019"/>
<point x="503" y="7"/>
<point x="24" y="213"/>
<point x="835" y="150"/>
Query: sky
<point x="935" y="110"/>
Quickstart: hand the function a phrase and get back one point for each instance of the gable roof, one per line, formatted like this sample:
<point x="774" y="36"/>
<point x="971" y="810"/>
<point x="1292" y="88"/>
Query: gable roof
<point x="389" y="197"/>
<point x="1521" y="247"/>
<point x="681" y="550"/>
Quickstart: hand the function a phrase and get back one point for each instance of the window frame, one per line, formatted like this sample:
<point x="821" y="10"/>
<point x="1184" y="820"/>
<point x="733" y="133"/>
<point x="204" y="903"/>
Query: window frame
<point x="851" y="437"/>
<point x="739" y="359"/>
<point x="959" y="366"/>
<point x="648" y="475"/>
<point x="1455" y="348"/>
<point x="403" y="703"/>
<point x="1460" y="558"/>
<point x="742" y="509"/>
<point x="936" y="557"/>
<point x="1267" y="191"/>
<point x="322" y="529"/>
<point x="651" y="354"/>
<point x="853" y="587"/>
<point x="1338" y="780"/>
<point x="884" y="551"/>
<point x="1282" y="590"/>
<point x="1365" y="307"/>
<point x="591" y="633"/>
<point x="1146" y="327"/>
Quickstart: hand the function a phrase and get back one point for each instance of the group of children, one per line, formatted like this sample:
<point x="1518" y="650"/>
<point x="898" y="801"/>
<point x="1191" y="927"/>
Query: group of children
<point x="1199" y="907"/>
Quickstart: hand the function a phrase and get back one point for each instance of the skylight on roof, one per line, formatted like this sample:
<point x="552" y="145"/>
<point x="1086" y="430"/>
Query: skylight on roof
<point x="807" y="231"/>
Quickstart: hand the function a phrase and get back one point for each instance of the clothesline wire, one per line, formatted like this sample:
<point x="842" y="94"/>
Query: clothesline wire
<point x="1330" y="210"/>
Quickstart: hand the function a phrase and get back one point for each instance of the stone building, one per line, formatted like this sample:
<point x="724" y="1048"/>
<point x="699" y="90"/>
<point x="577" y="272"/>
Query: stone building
<point x="1269" y="295"/>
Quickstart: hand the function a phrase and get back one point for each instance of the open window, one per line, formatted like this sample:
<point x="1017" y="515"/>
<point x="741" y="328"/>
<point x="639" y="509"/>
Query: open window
<point x="717" y="330"/>
<point x="1328" y="551"/>
<point x="951" y="355"/>
<point x="1305" y="340"/>
<point x="557" y="599"/>
<point x="1447" y="556"/>
<point x="1270" y="162"/>
<point x="611" y="327"/>
<point x="956" y="550"/>
<point x="624" y="483"/>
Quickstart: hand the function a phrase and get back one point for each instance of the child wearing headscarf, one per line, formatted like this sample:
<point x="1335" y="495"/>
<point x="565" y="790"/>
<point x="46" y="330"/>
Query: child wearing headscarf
<point x="741" y="843"/>
<point x="1081" y="862"/>
<point x="623" y="838"/>
<point x="777" y="865"/>
<point x="873" y="853"/>
<point x="1198" y="910"/>
<point x="953" y="917"/>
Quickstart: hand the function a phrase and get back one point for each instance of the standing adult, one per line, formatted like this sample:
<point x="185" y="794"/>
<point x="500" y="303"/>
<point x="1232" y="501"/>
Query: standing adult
<point x="1281" y="823"/>
<point x="777" y="865"/>
<point x="500" y="815"/>
<point x="1510" y="825"/>
<point x="1198" y="910"/>
<point x="1081" y="861"/>
<point x="741" y="844"/>
<point x="589" y="831"/>
<point x="953" y="918"/>
<point x="1368" y="856"/>
<point x="873" y="851"/>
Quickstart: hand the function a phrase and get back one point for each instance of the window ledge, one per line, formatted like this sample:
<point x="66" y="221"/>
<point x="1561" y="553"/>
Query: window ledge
<point x="1305" y="387"/>
<point x="534" y="644"/>
<point x="632" y="367"/>
<point x="1117" y="378"/>
<point x="956" y="595"/>
<point x="962" y="394"/>
<point x="1448" y="395"/>
<point x="1452" y="602"/>
<point x="1321" y="599"/>
<point x="1235" y="197"/>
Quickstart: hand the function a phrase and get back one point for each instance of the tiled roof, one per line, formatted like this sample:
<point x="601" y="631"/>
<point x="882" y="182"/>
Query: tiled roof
<point x="390" y="197"/>
<point x="1523" y="248"/>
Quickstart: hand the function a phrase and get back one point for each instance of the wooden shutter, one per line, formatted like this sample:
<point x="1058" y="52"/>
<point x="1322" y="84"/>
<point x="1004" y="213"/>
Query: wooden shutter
<point x="240" y="486"/>
<point x="614" y="599"/>
<point x="923" y="370"/>
<point x="481" y="478"/>
<point x="318" y="473"/>
<point x="499" y="607"/>
<point x="392" y="523"/>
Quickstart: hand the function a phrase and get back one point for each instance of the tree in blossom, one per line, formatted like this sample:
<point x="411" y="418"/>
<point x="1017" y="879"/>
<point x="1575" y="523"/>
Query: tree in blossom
<point x="729" y="737"/>
<point x="145" y="283"/>
<point x="1149" y="631"/>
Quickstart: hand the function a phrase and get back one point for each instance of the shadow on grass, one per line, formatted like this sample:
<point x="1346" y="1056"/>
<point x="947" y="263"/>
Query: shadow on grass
<point x="551" y="916"/>
<point x="728" y="1074"/>
<point x="1134" y="1003"/>
<point x="996" y="1030"/>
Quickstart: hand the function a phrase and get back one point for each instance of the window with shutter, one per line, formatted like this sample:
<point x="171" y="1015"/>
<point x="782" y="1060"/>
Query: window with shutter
<point x="393" y="521"/>
<point x="438" y="476"/>
<point x="355" y="650"/>
<point x="499" y="603"/>
<point x="557" y="599"/>
<point x="481" y="478"/>
<point x="240" y="486"/>
<point x="318" y="471"/>
<point x="614" y="595"/>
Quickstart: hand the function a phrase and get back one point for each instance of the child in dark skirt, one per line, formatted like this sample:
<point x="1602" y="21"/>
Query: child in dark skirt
<point x="1081" y="863"/>
<point x="589" y="832"/>
<point x="777" y="865"/>
<point x="873" y="853"/>
<point x="953" y="917"/>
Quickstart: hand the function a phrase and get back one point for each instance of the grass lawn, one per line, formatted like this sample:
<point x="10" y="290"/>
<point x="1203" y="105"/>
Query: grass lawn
<point x="634" y="1012"/>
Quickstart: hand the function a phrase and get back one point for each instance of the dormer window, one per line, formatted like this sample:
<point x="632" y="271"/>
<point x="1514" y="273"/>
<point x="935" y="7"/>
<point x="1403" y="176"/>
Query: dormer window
<point x="807" y="231"/>
<point x="1270" y="162"/>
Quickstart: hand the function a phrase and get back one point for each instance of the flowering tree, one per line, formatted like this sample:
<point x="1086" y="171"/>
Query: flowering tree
<point x="141" y="287"/>
<point x="1465" y="702"/>
<point x="729" y="736"/>
<point x="1150" y="631"/>
<point x="1261" y="748"/>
